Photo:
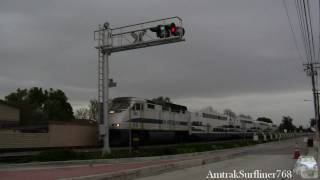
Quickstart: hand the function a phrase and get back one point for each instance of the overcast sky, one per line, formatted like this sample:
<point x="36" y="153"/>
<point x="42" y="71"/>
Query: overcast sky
<point x="238" y="54"/>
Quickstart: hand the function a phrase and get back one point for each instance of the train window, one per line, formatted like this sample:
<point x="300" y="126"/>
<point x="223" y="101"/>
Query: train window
<point x="196" y="123"/>
<point x="175" y="110"/>
<point x="150" y="106"/>
<point x="184" y="123"/>
<point x="171" y="122"/>
<point x="164" y="108"/>
<point x="138" y="107"/>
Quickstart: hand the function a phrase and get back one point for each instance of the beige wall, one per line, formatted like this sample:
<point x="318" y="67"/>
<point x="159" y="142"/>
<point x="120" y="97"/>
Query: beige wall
<point x="13" y="139"/>
<point x="61" y="134"/>
<point x="72" y="134"/>
<point x="8" y="113"/>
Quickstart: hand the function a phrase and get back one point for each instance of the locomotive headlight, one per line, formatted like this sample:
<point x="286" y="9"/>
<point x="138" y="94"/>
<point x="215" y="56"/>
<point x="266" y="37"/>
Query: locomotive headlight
<point x="111" y="112"/>
<point x="116" y="125"/>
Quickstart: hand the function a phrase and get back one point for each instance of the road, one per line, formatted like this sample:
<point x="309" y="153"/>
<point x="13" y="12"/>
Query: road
<point x="269" y="159"/>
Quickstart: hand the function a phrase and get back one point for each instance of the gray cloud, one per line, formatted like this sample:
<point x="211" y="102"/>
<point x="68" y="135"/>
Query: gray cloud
<point x="234" y="49"/>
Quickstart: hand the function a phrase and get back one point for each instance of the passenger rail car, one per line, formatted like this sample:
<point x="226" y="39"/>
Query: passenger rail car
<point x="154" y="122"/>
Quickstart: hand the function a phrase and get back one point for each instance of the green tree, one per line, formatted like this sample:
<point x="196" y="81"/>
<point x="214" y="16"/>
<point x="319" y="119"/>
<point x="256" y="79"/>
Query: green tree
<point x="57" y="107"/>
<point x="39" y="106"/>
<point x="230" y="113"/>
<point x="208" y="109"/>
<point x="264" y="119"/>
<point x="162" y="100"/>
<point x="287" y="124"/>
<point x="300" y="129"/>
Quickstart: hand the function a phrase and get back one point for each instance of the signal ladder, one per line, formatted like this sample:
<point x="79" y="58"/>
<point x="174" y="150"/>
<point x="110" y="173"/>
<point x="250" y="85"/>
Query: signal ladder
<point x="100" y="77"/>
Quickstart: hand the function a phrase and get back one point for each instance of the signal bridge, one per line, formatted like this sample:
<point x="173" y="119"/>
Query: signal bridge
<point x="111" y="40"/>
<point x="151" y="33"/>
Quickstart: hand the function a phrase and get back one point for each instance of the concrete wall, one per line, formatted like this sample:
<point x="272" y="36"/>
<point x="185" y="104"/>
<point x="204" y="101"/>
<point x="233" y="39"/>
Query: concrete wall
<point x="72" y="134"/>
<point x="14" y="139"/>
<point x="61" y="134"/>
<point x="9" y="113"/>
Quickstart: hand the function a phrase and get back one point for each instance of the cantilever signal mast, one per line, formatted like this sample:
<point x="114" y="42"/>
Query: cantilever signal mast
<point x="111" y="40"/>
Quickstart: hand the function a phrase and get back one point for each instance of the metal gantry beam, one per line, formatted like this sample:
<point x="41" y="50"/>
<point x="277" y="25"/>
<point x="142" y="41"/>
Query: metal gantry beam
<point x="129" y="37"/>
<point x="142" y="44"/>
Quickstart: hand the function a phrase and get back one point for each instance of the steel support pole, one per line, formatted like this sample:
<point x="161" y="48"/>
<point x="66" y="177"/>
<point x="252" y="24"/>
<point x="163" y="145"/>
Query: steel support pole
<point x="130" y="132"/>
<point x="106" y="146"/>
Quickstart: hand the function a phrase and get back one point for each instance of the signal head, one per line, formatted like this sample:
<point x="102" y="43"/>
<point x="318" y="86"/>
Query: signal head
<point x="106" y="25"/>
<point x="173" y="28"/>
<point x="180" y="31"/>
<point x="165" y="31"/>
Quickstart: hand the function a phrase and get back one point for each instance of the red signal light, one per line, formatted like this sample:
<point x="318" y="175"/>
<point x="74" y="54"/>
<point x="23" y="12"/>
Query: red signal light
<point x="173" y="28"/>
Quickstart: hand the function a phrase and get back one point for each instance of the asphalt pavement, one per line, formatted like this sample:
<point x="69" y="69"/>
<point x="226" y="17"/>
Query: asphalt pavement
<point x="270" y="161"/>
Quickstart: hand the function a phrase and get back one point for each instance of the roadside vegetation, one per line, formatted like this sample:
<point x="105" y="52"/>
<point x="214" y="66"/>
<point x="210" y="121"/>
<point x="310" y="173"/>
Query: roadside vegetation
<point x="69" y="154"/>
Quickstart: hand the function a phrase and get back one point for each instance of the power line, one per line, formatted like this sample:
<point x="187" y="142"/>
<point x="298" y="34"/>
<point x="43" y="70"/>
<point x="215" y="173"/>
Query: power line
<point x="308" y="30"/>
<point x="319" y="30"/>
<point x="311" y="31"/>
<point x="305" y="22"/>
<point x="303" y="29"/>
<point x="291" y="28"/>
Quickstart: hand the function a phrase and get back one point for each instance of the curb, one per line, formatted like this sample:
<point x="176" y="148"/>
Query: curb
<point x="156" y="169"/>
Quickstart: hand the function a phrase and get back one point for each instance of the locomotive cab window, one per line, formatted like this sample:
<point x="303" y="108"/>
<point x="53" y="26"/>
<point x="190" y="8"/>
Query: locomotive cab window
<point x="150" y="106"/>
<point x="164" y="108"/>
<point x="137" y="107"/>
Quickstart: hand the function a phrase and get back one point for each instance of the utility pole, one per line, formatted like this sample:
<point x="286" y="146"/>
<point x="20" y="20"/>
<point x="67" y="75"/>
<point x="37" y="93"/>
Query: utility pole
<point x="310" y="69"/>
<point x="129" y="37"/>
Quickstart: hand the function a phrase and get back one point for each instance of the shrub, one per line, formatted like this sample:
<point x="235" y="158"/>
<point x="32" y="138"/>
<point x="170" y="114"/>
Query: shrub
<point x="57" y="155"/>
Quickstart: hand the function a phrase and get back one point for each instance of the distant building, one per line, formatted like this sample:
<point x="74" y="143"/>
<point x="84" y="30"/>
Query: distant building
<point x="9" y="115"/>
